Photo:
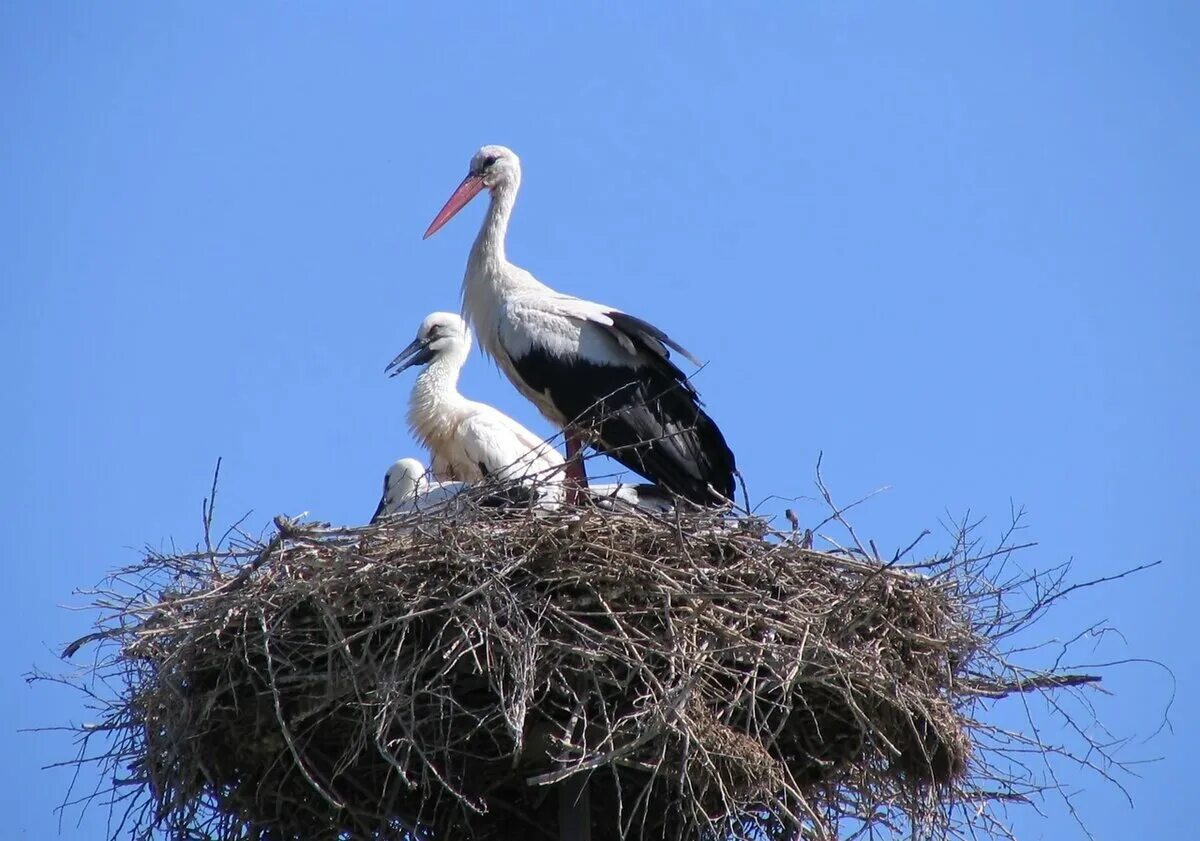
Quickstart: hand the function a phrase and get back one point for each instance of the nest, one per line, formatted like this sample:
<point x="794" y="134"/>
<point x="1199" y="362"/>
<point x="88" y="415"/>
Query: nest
<point x="455" y="674"/>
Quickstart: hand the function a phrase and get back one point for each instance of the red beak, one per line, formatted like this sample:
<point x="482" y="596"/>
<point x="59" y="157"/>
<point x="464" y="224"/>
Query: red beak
<point x="467" y="190"/>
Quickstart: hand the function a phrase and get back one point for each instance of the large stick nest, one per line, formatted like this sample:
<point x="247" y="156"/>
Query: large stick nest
<point x="445" y="675"/>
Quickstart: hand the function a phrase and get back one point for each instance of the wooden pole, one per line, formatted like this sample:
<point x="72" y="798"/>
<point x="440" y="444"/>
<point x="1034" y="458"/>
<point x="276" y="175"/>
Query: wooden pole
<point x="574" y="809"/>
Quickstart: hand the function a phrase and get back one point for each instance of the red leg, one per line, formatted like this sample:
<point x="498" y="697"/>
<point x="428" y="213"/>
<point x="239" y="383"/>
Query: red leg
<point x="576" y="473"/>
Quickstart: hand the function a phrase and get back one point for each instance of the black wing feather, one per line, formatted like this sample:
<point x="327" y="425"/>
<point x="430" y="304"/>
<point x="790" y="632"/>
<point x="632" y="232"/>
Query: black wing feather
<point x="649" y="335"/>
<point x="646" y="417"/>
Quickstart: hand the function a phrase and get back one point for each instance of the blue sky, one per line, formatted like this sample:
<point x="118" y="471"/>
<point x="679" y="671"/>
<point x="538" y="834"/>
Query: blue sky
<point x="952" y="247"/>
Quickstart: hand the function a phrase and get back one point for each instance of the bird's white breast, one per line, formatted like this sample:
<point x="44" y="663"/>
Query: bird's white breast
<point x="514" y="314"/>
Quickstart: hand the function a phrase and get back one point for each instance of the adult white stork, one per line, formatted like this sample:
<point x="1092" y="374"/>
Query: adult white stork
<point x="468" y="441"/>
<point x="407" y="488"/>
<point x="604" y="376"/>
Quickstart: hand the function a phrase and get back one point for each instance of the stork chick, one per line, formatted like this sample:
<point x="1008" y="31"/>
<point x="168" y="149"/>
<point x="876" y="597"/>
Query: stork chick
<point x="468" y="441"/>
<point x="407" y="488"/>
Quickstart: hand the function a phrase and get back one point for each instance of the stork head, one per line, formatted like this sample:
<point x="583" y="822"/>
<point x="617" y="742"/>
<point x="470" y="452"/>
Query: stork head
<point x="492" y="167"/>
<point x="402" y="480"/>
<point x="440" y="334"/>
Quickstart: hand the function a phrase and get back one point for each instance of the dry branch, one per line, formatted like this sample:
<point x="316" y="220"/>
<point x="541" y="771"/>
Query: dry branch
<point x="438" y="675"/>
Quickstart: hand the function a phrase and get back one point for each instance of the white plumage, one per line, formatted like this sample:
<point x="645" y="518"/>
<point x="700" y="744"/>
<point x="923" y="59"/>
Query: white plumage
<point x="602" y="375"/>
<point x="406" y="488"/>
<point x="467" y="440"/>
<point x="649" y="498"/>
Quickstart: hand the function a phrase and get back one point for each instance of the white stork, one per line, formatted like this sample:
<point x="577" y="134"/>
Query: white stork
<point x="603" y="376"/>
<point x="406" y="488"/>
<point x="468" y="441"/>
<point x="643" y="497"/>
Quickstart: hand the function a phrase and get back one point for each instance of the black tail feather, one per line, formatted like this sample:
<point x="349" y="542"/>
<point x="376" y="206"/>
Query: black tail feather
<point x="656" y="428"/>
<point x="648" y="418"/>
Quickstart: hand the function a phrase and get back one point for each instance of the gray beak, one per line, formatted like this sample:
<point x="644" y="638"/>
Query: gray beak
<point x="417" y="353"/>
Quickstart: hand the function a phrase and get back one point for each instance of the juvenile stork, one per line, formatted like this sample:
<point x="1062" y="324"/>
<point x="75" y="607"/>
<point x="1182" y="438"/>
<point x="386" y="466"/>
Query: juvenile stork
<point x="468" y="441"/>
<point x="406" y="488"/>
<point x="605" y="377"/>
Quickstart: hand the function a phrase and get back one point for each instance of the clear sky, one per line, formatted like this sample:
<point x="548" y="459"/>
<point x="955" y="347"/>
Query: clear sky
<point x="952" y="246"/>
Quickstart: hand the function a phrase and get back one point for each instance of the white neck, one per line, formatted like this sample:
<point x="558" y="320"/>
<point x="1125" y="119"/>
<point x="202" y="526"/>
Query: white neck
<point x="435" y="394"/>
<point x="489" y="243"/>
<point x="490" y="278"/>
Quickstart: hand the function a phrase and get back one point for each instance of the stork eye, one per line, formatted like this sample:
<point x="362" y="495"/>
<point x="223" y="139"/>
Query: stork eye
<point x="489" y="160"/>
